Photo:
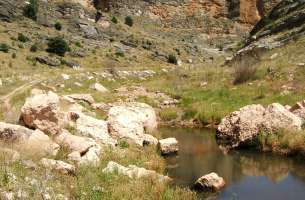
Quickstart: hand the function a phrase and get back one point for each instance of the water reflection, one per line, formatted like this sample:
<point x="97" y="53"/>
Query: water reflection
<point x="246" y="172"/>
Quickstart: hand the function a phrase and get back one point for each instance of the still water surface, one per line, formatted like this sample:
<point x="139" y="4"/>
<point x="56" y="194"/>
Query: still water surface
<point x="249" y="175"/>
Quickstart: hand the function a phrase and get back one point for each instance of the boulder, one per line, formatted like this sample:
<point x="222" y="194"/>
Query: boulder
<point x="131" y="121"/>
<point x="41" y="112"/>
<point x="57" y="165"/>
<point x="168" y="146"/>
<point x="26" y="140"/>
<point x="75" y="143"/>
<point x="134" y="172"/>
<point x="210" y="182"/>
<point x="242" y="127"/>
<point x="53" y="62"/>
<point x="91" y="127"/>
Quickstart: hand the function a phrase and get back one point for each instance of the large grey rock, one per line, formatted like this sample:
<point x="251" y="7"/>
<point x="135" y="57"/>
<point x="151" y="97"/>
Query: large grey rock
<point x="242" y="127"/>
<point x="131" y="121"/>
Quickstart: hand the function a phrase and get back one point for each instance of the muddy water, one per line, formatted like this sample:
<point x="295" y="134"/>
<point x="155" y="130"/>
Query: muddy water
<point x="249" y="175"/>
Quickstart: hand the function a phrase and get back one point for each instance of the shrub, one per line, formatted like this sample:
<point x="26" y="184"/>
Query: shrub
<point x="31" y="10"/>
<point x="78" y="44"/>
<point x="22" y="38"/>
<point x="58" y="46"/>
<point x="14" y="55"/>
<point x="114" y="20"/>
<point x="172" y="59"/>
<point x="58" y="26"/>
<point x="129" y="21"/>
<point x="4" y="47"/>
<point x="34" y="48"/>
<point x="245" y="70"/>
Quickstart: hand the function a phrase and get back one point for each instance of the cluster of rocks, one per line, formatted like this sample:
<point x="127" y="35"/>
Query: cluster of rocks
<point x="161" y="99"/>
<point x="242" y="127"/>
<point x="47" y="118"/>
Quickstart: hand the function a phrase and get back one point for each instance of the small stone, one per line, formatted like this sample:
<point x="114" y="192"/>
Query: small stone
<point x="58" y="166"/>
<point x="65" y="76"/>
<point x="168" y="146"/>
<point x="210" y="182"/>
<point x="98" y="87"/>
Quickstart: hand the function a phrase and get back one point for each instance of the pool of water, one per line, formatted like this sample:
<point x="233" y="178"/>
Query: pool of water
<point x="248" y="174"/>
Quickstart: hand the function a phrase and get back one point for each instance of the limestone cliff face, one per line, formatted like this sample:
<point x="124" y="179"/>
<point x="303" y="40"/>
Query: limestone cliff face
<point x="245" y="11"/>
<point x="249" y="11"/>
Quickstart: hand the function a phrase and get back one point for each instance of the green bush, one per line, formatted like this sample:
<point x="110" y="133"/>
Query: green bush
<point x="129" y="21"/>
<point x="22" y="38"/>
<point x="4" y="47"/>
<point x="14" y="55"/>
<point x="58" y="46"/>
<point x="31" y="10"/>
<point x="58" y="26"/>
<point x="114" y="20"/>
<point x="172" y="59"/>
<point x="78" y="44"/>
<point x="34" y="48"/>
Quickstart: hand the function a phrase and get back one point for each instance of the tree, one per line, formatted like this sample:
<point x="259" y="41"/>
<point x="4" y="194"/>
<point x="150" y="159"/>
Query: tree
<point x="31" y="10"/>
<point x="58" y="46"/>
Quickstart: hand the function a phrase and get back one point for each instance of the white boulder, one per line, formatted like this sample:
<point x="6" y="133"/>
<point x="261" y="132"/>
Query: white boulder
<point x="210" y="182"/>
<point x="131" y="121"/>
<point x="168" y="146"/>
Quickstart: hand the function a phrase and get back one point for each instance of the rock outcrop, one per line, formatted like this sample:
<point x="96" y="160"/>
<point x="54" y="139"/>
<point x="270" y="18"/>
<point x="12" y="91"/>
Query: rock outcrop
<point x="286" y="21"/>
<point x="131" y="121"/>
<point x="242" y="127"/>
<point x="134" y="172"/>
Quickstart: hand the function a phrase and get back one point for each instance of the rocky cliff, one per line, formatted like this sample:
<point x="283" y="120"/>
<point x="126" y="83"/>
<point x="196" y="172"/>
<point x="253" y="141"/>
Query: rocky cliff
<point x="285" y="22"/>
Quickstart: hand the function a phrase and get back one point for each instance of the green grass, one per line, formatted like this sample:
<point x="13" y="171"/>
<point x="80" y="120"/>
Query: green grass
<point x="283" y="142"/>
<point x="92" y="183"/>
